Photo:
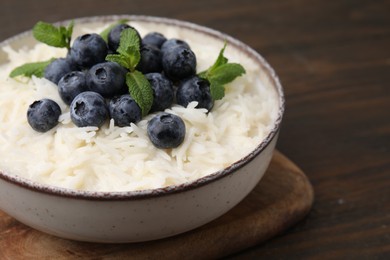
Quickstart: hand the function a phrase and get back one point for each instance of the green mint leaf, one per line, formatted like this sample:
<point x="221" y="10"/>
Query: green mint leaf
<point x="129" y="50"/>
<point x="134" y="55"/>
<point x="140" y="90"/>
<point x="53" y="36"/>
<point x="29" y="69"/>
<point x="217" y="90"/>
<point x="221" y="60"/>
<point x="121" y="59"/>
<point x="49" y="34"/>
<point x="69" y="32"/>
<point x="128" y="59"/>
<point x="105" y="32"/>
<point x="226" y="73"/>
<point x="203" y="74"/>
<point x="129" y="37"/>
<point x="221" y="73"/>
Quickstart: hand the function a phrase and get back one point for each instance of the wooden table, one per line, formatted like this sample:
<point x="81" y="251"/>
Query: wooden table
<point x="333" y="58"/>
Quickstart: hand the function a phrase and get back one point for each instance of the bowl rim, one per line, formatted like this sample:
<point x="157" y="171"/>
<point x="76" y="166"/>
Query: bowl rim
<point x="152" y="193"/>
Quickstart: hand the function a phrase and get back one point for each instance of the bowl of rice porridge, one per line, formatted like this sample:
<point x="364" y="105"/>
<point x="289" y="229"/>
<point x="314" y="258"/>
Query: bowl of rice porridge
<point x="111" y="183"/>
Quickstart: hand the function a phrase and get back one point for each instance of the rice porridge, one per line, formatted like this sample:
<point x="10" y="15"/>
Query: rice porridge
<point x="112" y="158"/>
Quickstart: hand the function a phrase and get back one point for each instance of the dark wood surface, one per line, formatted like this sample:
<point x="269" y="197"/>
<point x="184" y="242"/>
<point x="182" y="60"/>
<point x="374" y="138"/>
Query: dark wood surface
<point x="333" y="58"/>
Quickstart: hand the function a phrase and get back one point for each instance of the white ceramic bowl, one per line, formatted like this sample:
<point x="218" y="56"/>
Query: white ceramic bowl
<point x="113" y="217"/>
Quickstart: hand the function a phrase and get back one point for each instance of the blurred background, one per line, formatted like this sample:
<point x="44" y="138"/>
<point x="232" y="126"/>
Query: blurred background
<point x="333" y="58"/>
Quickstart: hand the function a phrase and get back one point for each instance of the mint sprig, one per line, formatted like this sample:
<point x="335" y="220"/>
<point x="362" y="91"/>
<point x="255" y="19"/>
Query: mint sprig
<point x="105" y="32"/>
<point x="128" y="56"/>
<point x="140" y="90"/>
<point x="128" y="51"/>
<point x="29" y="69"/>
<point x="221" y="73"/>
<point x="56" y="36"/>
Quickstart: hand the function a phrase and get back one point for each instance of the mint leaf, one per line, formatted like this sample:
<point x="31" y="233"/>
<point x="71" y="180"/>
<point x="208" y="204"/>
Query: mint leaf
<point x="128" y="56"/>
<point x="221" y="73"/>
<point x="226" y="73"/>
<point x="49" y="34"/>
<point x="140" y="90"/>
<point x="221" y="60"/>
<point x="29" y="69"/>
<point x="105" y="32"/>
<point x="53" y="36"/>
<point x="129" y="50"/>
<point x="133" y="54"/>
<point x="121" y="59"/>
<point x="69" y="31"/>
<point x="217" y="90"/>
<point x="129" y="37"/>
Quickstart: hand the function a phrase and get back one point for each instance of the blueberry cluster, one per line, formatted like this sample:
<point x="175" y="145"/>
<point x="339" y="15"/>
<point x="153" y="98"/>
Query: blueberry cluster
<point x="95" y="89"/>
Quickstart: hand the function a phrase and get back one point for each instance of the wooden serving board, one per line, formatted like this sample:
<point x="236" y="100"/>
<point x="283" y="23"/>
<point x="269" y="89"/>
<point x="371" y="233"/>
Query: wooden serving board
<point x="283" y="197"/>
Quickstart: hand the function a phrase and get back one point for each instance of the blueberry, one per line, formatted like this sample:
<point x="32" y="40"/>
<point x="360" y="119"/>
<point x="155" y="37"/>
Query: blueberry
<point x="107" y="78"/>
<point x="71" y="85"/>
<point x="150" y="59"/>
<point x="88" y="109"/>
<point x="162" y="91"/>
<point x="154" y="38"/>
<point x="42" y="115"/>
<point x="124" y="110"/>
<point x="58" y="68"/>
<point x="88" y="50"/>
<point x="114" y="36"/>
<point x="179" y="62"/>
<point x="173" y="43"/>
<point x="195" y="89"/>
<point x="166" y="130"/>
